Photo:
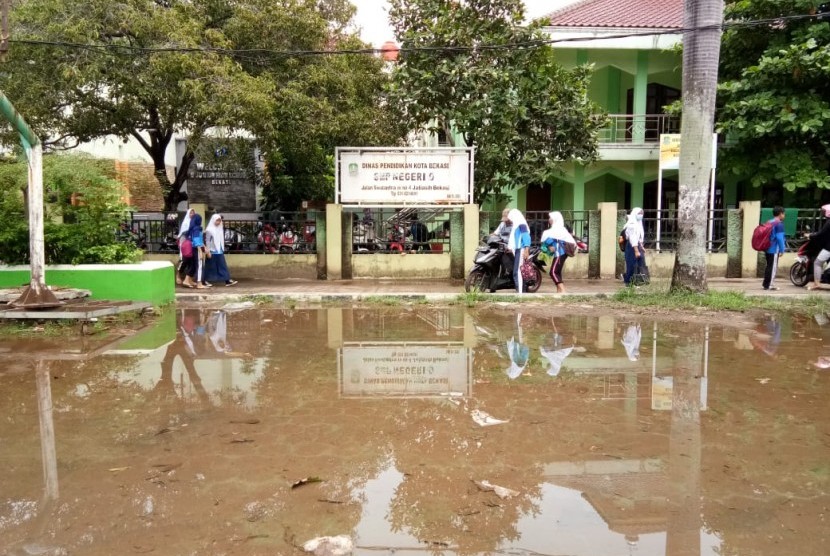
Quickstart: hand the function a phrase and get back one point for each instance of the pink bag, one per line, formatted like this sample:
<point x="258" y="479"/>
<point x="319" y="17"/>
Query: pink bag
<point x="186" y="247"/>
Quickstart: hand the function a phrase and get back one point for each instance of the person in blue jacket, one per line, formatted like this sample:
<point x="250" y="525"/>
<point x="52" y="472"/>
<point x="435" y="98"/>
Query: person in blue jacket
<point x="776" y="248"/>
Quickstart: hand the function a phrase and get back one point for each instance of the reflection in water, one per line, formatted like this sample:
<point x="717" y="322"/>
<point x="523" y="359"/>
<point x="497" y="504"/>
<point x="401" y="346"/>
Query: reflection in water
<point x="401" y="413"/>
<point x="517" y="350"/>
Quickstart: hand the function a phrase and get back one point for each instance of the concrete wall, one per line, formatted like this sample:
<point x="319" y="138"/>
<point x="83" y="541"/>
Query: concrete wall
<point x="147" y="281"/>
<point x="261" y="266"/>
<point x="401" y="266"/>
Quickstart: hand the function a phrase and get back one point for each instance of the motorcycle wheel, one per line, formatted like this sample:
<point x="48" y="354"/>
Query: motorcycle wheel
<point x="799" y="274"/>
<point x="285" y="250"/>
<point x="477" y="281"/>
<point x="534" y="285"/>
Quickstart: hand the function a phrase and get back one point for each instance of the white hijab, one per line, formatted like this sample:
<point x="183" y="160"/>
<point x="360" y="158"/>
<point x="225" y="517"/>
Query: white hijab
<point x="555" y="357"/>
<point x="631" y="341"/>
<point x="633" y="223"/>
<point x="186" y="222"/>
<point x="217" y="232"/>
<point x="218" y="330"/>
<point x="517" y="219"/>
<point x="557" y="229"/>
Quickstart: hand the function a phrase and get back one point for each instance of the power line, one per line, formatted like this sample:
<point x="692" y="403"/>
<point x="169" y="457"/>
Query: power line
<point x="251" y="53"/>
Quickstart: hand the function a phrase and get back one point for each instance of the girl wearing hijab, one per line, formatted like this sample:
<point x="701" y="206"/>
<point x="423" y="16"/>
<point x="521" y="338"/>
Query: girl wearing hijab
<point x="553" y="241"/>
<point x="519" y="245"/>
<point x="184" y="262"/>
<point x="197" y="241"/>
<point x="216" y="268"/>
<point x="822" y="239"/>
<point x="635" y="253"/>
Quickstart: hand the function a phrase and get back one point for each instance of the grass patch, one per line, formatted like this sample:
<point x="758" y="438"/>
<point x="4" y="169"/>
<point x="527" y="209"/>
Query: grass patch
<point x="258" y="299"/>
<point x="470" y="299"/>
<point x="720" y="301"/>
<point x="389" y="300"/>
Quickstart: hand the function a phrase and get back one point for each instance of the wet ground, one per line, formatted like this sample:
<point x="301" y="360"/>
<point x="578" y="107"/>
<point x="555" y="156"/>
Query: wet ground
<point x="419" y="430"/>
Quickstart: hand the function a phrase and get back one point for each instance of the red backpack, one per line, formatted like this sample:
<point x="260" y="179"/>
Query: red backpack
<point x="762" y="236"/>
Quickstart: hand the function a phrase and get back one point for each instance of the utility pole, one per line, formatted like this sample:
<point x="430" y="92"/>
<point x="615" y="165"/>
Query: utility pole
<point x="702" y="24"/>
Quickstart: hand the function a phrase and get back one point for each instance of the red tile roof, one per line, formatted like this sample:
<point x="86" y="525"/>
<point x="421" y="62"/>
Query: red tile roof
<point x="619" y="13"/>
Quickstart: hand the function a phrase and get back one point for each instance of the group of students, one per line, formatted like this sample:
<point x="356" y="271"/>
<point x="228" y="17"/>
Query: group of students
<point x="778" y="245"/>
<point x="202" y="253"/>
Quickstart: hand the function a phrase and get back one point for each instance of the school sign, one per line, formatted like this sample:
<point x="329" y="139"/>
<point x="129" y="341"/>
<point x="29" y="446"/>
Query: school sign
<point x="404" y="177"/>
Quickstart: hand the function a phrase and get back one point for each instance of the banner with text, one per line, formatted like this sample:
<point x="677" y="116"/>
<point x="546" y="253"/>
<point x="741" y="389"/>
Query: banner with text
<point x="405" y="177"/>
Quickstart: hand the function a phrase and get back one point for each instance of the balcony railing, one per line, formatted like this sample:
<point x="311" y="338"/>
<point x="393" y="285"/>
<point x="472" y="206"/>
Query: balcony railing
<point x="638" y="128"/>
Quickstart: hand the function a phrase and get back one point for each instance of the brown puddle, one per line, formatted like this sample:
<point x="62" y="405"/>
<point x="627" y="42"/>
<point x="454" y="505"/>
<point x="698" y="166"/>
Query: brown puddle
<point x="416" y="430"/>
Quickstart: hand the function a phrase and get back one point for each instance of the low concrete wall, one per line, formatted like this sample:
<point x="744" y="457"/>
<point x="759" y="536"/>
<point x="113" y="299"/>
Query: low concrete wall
<point x="661" y="265"/>
<point x="148" y="281"/>
<point x="261" y="266"/>
<point x="404" y="265"/>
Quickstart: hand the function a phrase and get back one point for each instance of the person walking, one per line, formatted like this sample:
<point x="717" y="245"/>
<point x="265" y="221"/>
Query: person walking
<point x="216" y="268"/>
<point x="184" y="266"/>
<point x="775" y="249"/>
<point x="635" y="253"/>
<point x="822" y="239"/>
<point x="519" y="245"/>
<point x="197" y="241"/>
<point x="554" y="242"/>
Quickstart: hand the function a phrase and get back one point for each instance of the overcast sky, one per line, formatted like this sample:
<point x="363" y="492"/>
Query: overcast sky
<point x="372" y="17"/>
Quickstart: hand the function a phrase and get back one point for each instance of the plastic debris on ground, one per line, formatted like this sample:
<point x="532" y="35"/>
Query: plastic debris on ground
<point x="341" y="545"/>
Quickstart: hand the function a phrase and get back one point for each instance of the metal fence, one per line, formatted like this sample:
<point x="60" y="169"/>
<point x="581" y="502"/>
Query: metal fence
<point x="268" y="232"/>
<point x="389" y="230"/>
<point x="629" y="128"/>
<point x="576" y="220"/>
<point x="662" y="231"/>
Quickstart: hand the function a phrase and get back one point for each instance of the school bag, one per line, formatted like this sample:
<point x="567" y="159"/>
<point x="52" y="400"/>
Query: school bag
<point x="762" y="236"/>
<point x="570" y="249"/>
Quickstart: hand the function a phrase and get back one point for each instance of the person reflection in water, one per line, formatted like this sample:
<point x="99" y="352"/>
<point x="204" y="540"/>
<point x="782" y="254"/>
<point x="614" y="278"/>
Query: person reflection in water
<point x="189" y="343"/>
<point x="518" y="352"/>
<point x="631" y="341"/>
<point x="217" y="328"/>
<point x="767" y="337"/>
<point x="556" y="353"/>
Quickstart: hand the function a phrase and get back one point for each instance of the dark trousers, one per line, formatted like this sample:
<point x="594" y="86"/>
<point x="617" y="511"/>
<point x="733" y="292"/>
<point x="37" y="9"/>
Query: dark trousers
<point x="631" y="262"/>
<point x="771" y="269"/>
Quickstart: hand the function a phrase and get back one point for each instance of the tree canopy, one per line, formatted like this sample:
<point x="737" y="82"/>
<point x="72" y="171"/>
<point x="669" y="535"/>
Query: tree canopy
<point x="148" y="69"/>
<point x="775" y="93"/>
<point x="477" y="67"/>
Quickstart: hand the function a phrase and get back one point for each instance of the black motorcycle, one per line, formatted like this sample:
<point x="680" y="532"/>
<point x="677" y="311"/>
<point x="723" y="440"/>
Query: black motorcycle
<point x="801" y="272"/>
<point x="489" y="272"/>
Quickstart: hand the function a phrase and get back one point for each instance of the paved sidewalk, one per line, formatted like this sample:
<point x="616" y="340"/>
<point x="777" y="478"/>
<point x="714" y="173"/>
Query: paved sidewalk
<point x="322" y="290"/>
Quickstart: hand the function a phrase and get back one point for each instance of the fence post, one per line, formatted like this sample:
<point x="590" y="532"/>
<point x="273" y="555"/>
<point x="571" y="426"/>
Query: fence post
<point x="608" y="239"/>
<point x="751" y="217"/>
<point x="346" y="245"/>
<point x="334" y="244"/>
<point x="622" y="218"/>
<point x="463" y="238"/>
<point x="734" y="242"/>
<point x="593" y="243"/>
<point x="320" y="240"/>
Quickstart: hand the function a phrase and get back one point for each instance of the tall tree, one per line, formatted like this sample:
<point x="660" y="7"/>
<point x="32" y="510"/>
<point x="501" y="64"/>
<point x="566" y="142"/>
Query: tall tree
<point x="702" y="21"/>
<point x="475" y="66"/>
<point x="775" y="93"/>
<point x="146" y="69"/>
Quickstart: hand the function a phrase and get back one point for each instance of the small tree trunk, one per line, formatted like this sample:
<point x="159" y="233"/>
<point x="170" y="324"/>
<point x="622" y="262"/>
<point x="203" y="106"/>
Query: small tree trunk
<point x="701" y="51"/>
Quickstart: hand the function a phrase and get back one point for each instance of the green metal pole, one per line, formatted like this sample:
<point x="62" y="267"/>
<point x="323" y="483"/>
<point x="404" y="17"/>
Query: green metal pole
<point x="37" y="294"/>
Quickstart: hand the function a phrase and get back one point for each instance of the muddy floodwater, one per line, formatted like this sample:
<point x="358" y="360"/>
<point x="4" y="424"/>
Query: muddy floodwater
<point x="419" y="430"/>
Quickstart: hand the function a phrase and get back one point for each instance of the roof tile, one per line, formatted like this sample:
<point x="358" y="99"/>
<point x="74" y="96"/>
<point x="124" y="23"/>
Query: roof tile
<point x="663" y="14"/>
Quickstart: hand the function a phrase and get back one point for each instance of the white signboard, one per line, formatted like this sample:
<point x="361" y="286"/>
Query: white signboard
<point x="400" y="370"/>
<point x="439" y="176"/>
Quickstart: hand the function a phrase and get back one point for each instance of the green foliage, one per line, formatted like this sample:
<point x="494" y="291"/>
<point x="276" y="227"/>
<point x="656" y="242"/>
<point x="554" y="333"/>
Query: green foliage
<point x="720" y="301"/>
<point x="88" y="233"/>
<point x="775" y="95"/>
<point x="524" y="113"/>
<point x="155" y="68"/>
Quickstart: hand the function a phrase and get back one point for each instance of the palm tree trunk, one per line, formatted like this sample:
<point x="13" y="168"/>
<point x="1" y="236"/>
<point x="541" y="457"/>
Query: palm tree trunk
<point x="701" y="51"/>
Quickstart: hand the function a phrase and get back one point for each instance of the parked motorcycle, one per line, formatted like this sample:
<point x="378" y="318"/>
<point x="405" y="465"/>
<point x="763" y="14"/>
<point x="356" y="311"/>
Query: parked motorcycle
<point x="488" y="272"/>
<point x="801" y="272"/>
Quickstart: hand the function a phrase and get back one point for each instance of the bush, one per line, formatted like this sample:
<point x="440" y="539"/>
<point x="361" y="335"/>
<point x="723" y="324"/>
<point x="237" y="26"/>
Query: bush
<point x="80" y="191"/>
